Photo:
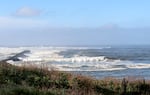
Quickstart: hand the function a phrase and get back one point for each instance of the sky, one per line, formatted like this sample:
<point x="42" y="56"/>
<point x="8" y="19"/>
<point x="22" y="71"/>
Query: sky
<point x="74" y="22"/>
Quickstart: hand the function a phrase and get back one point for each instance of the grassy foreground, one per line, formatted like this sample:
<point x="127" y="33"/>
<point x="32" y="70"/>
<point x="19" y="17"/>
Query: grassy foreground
<point x="34" y="81"/>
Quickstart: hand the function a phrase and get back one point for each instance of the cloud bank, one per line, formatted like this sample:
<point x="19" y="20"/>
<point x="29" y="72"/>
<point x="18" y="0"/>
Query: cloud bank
<point x="14" y="24"/>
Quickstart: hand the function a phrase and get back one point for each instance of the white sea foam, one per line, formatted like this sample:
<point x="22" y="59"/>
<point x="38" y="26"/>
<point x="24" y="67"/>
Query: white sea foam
<point x="51" y="57"/>
<point x="6" y="52"/>
<point x="62" y="59"/>
<point x="138" y="66"/>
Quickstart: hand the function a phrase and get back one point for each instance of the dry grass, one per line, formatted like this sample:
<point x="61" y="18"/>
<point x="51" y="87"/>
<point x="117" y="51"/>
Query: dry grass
<point x="44" y="81"/>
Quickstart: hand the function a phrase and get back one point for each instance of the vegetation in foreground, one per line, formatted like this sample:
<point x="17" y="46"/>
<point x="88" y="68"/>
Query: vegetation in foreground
<point x="39" y="81"/>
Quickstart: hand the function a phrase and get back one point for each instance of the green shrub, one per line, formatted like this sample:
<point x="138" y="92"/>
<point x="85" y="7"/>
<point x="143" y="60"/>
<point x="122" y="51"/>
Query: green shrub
<point x="62" y="81"/>
<point x="33" y="81"/>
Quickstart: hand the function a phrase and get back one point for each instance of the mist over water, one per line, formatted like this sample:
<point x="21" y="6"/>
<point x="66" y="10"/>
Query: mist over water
<point x="96" y="61"/>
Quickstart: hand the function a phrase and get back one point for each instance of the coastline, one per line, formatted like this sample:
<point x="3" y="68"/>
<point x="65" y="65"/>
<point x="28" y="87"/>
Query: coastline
<point x="43" y="81"/>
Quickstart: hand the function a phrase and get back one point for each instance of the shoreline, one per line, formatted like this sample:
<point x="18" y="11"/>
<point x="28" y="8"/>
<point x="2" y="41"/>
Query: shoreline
<point x="94" y="74"/>
<point x="43" y="81"/>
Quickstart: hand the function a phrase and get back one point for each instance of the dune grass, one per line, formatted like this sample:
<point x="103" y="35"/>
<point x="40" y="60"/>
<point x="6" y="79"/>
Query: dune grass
<point x="40" y="81"/>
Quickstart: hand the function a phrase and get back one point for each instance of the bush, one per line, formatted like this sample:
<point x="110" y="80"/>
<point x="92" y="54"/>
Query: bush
<point x="33" y="81"/>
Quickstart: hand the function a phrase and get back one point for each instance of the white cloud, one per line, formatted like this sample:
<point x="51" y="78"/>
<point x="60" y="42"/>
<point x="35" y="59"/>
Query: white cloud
<point x="27" y="11"/>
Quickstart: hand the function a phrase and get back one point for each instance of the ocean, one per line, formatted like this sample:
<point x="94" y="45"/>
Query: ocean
<point x="95" y="61"/>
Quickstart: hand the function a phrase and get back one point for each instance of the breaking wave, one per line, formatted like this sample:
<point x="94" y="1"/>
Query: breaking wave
<point x="53" y="59"/>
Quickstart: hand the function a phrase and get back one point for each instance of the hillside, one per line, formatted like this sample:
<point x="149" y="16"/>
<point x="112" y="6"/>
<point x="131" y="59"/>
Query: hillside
<point x="39" y="81"/>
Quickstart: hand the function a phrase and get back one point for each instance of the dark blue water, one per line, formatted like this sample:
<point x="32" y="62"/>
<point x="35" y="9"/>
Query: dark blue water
<point x="133" y="54"/>
<point x="129" y="53"/>
<point x="99" y="61"/>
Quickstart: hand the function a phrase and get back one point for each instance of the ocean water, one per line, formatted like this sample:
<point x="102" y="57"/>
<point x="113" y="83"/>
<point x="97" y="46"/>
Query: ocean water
<point x="95" y="61"/>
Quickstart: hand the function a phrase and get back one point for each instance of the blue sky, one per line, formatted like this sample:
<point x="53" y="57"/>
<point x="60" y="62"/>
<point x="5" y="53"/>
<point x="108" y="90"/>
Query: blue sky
<point x="74" y="22"/>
